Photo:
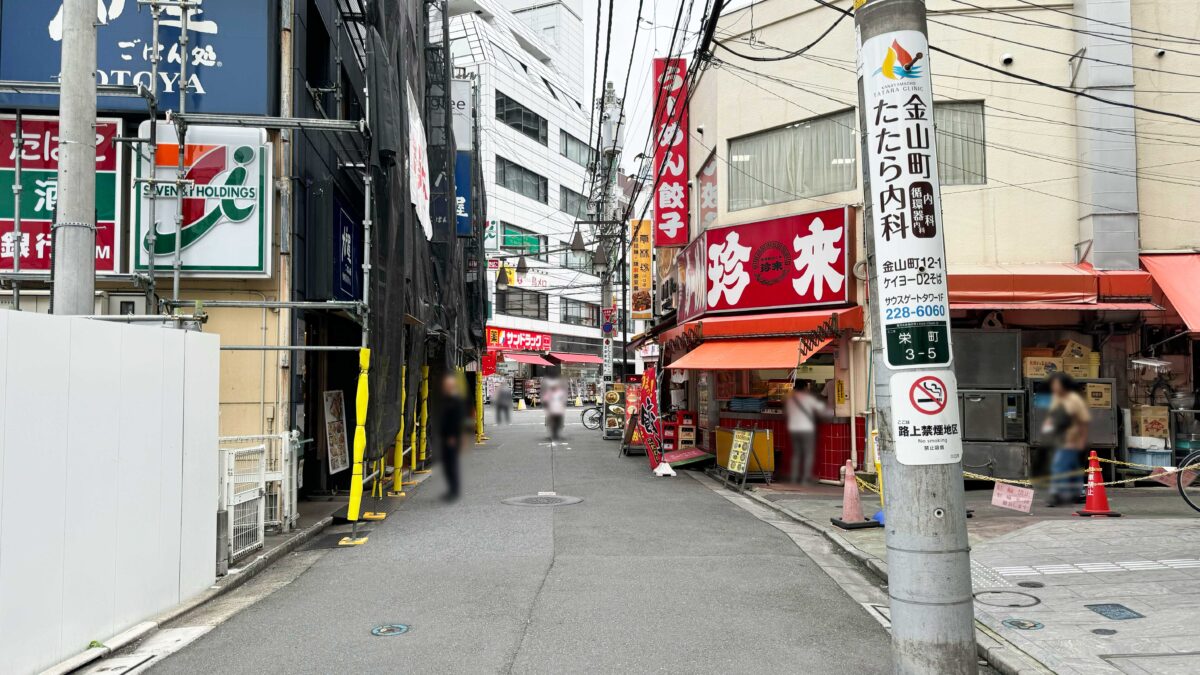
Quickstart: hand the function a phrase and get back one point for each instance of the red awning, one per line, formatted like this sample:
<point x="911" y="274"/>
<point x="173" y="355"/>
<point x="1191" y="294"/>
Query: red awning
<point x="531" y="359"/>
<point x="1046" y="283"/>
<point x="774" y="353"/>
<point x="1063" y="307"/>
<point x="567" y="357"/>
<point x="770" y="324"/>
<point x="1176" y="275"/>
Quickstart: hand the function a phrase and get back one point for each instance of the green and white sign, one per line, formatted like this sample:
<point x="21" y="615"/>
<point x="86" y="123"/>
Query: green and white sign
<point x="225" y="210"/>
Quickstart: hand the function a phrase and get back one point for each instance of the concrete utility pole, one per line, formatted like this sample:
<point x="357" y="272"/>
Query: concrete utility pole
<point x="929" y="575"/>
<point x="75" y="227"/>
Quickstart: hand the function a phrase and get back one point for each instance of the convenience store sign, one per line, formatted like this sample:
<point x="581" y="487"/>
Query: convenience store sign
<point x="39" y="192"/>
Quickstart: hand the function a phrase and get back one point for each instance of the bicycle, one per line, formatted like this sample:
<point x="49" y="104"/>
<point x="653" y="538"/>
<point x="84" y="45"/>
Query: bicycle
<point x="1189" y="480"/>
<point x="592" y="417"/>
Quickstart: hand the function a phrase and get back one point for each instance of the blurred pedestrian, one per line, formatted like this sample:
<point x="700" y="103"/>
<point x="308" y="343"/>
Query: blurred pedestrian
<point x="804" y="409"/>
<point x="554" y="399"/>
<point x="450" y="428"/>
<point x="1067" y="422"/>
<point x="502" y="402"/>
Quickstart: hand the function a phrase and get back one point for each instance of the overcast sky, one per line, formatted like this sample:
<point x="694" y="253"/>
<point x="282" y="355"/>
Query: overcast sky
<point x="653" y="39"/>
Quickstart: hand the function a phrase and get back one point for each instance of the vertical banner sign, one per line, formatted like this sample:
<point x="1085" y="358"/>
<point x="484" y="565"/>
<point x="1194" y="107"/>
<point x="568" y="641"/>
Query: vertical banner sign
<point x="910" y="255"/>
<point x="641" y="263"/>
<point x="462" y="194"/>
<point x="706" y="181"/>
<point x="462" y="114"/>
<point x="226" y="203"/>
<point x="347" y="263"/>
<point x="418" y="164"/>
<point x="671" y="153"/>
<point x="39" y="192"/>
<point x="649" y="422"/>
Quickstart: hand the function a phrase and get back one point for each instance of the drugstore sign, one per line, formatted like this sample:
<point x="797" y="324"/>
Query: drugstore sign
<point x="229" y="53"/>
<point x="518" y="340"/>
<point x="781" y="263"/>
<point x="39" y="192"/>
<point x="225" y="203"/>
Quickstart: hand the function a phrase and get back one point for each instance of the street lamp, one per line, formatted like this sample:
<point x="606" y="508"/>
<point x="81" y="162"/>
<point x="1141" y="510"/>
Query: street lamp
<point x="600" y="259"/>
<point x="522" y="266"/>
<point x="577" y="244"/>
<point x="502" y="278"/>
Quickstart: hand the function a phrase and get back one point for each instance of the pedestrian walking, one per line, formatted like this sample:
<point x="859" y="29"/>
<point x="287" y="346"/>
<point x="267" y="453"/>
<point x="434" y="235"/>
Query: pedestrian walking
<point x="554" y="399"/>
<point x="450" y="428"/>
<point x="1067" y="421"/>
<point x="804" y="409"/>
<point x="502" y="402"/>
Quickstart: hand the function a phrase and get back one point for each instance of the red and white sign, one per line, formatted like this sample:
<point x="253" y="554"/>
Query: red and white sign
<point x="1012" y="497"/>
<point x="706" y="192"/>
<point x="649" y="422"/>
<point x="782" y="263"/>
<point x="670" y="152"/>
<point x="928" y="395"/>
<point x="518" y="340"/>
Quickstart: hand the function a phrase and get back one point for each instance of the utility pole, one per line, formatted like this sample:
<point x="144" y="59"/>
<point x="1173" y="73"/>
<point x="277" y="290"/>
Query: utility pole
<point x="612" y="141"/>
<point x="74" y="242"/>
<point x="929" y="575"/>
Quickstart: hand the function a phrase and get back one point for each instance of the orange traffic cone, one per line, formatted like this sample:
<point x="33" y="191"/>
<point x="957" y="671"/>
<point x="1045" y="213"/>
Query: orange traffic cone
<point x="852" y="513"/>
<point x="1097" y="498"/>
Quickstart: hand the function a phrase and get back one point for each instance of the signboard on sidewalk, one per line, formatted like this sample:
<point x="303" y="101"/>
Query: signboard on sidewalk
<point x="910" y="255"/>
<point x="226" y="206"/>
<point x="649" y="422"/>
<point x="229" y="53"/>
<point x="782" y="263"/>
<point x="925" y="423"/>
<point x="335" y="431"/>
<point x="670" y="167"/>
<point x="39" y="192"/>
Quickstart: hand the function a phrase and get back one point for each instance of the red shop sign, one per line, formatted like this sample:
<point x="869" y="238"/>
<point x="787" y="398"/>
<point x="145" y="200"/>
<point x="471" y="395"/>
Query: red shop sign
<point x="670" y="152"/>
<point x="521" y="340"/>
<point x="783" y="263"/>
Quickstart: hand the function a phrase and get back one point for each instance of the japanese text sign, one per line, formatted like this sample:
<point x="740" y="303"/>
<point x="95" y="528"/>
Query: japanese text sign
<point x="707" y="193"/>
<point x="1012" y="497"/>
<point x="910" y="255"/>
<point x="418" y="165"/>
<point x="347" y="247"/>
<point x="789" y="262"/>
<point x="649" y="422"/>
<point x="523" y="340"/>
<point x="39" y="192"/>
<point x="670" y="152"/>
<point x="926" y="428"/>
<point x="229" y="53"/>
<point x="462" y="194"/>
<point x="641" y="263"/>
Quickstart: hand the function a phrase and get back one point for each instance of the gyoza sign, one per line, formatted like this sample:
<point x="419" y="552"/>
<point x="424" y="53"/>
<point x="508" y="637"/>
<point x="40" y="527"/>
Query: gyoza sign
<point x="39" y="192"/>
<point x="910" y="256"/>
<point x="670" y="152"/>
<point x="789" y="262"/>
<point x="226" y="203"/>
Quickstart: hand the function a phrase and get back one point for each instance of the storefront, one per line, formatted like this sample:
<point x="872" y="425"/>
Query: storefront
<point x="521" y="359"/>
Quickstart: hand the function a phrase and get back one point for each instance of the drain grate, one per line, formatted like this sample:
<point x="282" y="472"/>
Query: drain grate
<point x="541" y="500"/>
<point x="390" y="629"/>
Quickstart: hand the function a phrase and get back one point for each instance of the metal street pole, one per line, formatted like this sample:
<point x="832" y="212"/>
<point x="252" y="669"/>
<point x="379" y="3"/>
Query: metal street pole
<point x="929" y="575"/>
<point x="74" y="242"/>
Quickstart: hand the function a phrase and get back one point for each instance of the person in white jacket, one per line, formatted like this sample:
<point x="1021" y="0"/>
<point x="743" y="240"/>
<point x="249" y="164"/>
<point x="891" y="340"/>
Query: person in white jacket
<point x="554" y="400"/>
<point x="804" y="410"/>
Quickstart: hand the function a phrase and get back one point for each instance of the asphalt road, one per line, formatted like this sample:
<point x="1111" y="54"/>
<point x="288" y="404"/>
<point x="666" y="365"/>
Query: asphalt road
<point x="646" y="575"/>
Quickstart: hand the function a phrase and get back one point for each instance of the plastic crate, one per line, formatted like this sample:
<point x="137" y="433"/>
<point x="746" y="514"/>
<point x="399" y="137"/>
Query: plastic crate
<point x="1149" y="457"/>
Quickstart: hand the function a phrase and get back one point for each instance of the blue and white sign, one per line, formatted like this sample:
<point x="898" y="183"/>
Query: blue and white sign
<point x="462" y="194"/>
<point x="231" y="47"/>
<point x="347" y="265"/>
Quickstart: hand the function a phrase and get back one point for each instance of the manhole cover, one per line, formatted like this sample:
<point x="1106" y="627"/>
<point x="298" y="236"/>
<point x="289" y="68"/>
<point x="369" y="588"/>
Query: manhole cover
<point x="541" y="500"/>
<point x="390" y="629"/>
<point x="1031" y="584"/>
<point x="1023" y="624"/>
<point x="1104" y="631"/>
<point x="1006" y="599"/>
<point x="1114" y="611"/>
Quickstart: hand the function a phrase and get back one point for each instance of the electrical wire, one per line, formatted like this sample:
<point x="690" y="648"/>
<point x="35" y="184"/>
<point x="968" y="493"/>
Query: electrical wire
<point x="788" y="55"/>
<point x="1182" y="38"/>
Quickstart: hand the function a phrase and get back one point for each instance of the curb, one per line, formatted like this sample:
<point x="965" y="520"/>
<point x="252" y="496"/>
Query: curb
<point x="999" y="653"/>
<point x="223" y="586"/>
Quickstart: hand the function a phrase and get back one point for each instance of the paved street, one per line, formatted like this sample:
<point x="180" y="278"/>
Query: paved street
<point x="645" y="575"/>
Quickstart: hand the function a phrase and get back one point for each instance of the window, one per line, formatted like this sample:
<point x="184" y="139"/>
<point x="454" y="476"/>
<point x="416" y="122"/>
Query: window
<point x="962" y="159"/>
<point x="526" y="242"/>
<point x="529" y="304"/>
<point x="508" y="59"/>
<point x="550" y="88"/>
<point x="806" y="159"/>
<point x="574" y="149"/>
<point x="571" y="202"/>
<point x="580" y="313"/>
<point x="522" y="119"/>
<point x="578" y="262"/>
<point x="519" y="179"/>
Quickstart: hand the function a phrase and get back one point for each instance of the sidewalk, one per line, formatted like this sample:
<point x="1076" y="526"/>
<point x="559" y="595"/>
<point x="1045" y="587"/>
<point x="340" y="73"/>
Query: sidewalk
<point x="1036" y="575"/>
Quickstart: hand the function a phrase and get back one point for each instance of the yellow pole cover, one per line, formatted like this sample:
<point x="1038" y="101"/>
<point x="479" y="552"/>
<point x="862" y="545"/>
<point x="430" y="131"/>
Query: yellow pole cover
<point x="360" y="434"/>
<point x="398" y="456"/>
<point x="424" y="411"/>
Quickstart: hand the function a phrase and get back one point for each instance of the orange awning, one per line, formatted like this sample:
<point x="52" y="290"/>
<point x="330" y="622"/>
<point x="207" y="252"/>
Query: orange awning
<point x="770" y="324"/>
<point x="773" y="353"/>
<point x="531" y="359"/>
<point x="1063" y="306"/>
<point x="1038" y="283"/>
<point x="1176" y="275"/>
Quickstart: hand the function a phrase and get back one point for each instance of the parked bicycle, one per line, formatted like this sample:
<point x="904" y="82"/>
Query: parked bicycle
<point x="1189" y="480"/>
<point x="592" y="417"/>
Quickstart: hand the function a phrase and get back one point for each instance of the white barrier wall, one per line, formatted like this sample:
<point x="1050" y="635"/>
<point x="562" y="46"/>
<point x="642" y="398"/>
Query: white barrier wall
<point x="108" y="479"/>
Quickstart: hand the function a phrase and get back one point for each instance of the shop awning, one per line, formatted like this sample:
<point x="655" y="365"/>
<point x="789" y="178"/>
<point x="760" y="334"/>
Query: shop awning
<point x="1044" y="283"/>
<point x="531" y="359"/>
<point x="1176" y="275"/>
<point x="747" y="354"/>
<point x="1063" y="307"/>
<point x="770" y="324"/>
<point x="567" y="357"/>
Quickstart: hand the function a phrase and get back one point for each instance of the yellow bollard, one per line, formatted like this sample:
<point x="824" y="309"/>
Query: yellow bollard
<point x="398" y="458"/>
<point x="377" y="491"/>
<point x="878" y="466"/>
<point x="360" y="448"/>
<point x="479" y="436"/>
<point x="424" y="416"/>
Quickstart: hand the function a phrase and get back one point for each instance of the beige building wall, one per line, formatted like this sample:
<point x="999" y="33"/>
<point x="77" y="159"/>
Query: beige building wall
<point x="1028" y="210"/>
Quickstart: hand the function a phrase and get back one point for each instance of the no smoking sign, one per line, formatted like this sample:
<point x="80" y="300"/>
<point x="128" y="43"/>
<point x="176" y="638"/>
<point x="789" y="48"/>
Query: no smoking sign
<point x="926" y="428"/>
